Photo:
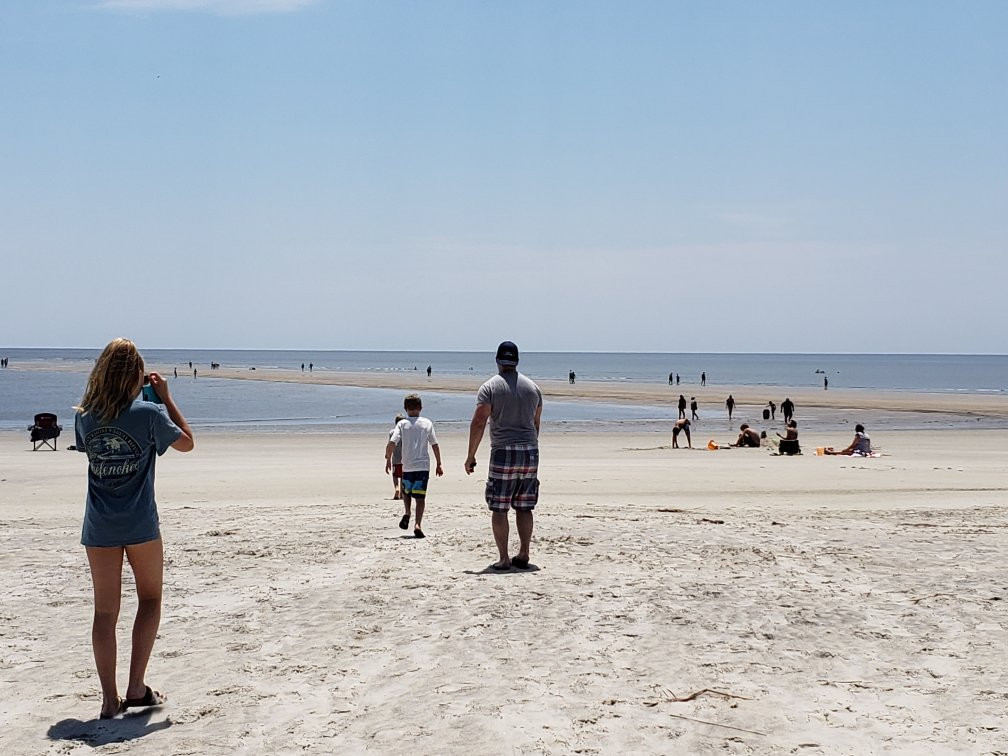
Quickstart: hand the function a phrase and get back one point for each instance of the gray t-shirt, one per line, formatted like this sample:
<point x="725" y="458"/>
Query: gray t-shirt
<point x="513" y="401"/>
<point x="120" y="508"/>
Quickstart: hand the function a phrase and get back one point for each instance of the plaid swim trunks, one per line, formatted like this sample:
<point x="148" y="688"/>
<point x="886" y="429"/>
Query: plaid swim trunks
<point x="414" y="483"/>
<point x="513" y="479"/>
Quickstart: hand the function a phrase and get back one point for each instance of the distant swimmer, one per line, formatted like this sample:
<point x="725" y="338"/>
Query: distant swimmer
<point x="681" y="426"/>
<point x="730" y="404"/>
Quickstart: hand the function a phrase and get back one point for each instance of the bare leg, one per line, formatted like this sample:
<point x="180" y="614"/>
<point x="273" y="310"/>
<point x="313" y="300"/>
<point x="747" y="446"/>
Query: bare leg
<point x="420" y="500"/>
<point x="500" y="532"/>
<point x="147" y="561"/>
<point x="407" y="501"/>
<point x="523" y="522"/>
<point x="395" y="484"/>
<point x="106" y="577"/>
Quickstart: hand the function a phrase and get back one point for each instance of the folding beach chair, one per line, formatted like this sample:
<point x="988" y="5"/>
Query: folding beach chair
<point x="45" y="431"/>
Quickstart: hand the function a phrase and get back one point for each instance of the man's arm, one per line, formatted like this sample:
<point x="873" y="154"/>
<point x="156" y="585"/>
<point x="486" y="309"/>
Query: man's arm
<point x="538" y="416"/>
<point x="439" y="471"/>
<point x="476" y="428"/>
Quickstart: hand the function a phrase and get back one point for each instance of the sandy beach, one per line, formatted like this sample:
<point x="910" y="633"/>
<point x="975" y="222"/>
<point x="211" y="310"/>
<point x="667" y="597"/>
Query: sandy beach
<point x="800" y="605"/>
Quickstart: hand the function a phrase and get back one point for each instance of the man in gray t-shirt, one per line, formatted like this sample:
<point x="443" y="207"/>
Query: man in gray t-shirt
<point x="513" y="405"/>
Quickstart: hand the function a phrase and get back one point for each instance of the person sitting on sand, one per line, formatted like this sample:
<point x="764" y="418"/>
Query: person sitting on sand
<point x="860" y="446"/>
<point x="122" y="436"/>
<point x="789" y="442"/>
<point x="681" y="426"/>
<point x="747" y="437"/>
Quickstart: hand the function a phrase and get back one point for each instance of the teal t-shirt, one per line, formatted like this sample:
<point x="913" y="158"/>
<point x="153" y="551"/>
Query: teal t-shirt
<point x="120" y="508"/>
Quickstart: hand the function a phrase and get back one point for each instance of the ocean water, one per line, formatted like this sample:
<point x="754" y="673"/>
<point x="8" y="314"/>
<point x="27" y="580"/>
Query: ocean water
<point x="214" y="403"/>
<point x="904" y="372"/>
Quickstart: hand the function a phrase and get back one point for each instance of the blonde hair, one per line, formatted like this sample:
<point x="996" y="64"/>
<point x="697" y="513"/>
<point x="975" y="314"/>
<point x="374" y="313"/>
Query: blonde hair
<point x="114" y="381"/>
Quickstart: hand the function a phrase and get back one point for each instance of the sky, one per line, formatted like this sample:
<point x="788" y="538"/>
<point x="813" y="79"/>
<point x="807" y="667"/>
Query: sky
<point x="574" y="176"/>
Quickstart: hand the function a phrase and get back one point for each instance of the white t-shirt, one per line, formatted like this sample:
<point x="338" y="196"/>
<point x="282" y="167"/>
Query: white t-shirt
<point x="416" y="434"/>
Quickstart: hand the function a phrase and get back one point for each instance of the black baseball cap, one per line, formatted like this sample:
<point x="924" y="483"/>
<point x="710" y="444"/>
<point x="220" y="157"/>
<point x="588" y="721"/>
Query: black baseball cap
<point x="507" y="354"/>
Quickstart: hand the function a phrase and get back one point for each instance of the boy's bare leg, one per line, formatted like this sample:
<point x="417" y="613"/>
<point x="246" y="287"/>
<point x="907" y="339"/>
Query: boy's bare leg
<point x="420" y="501"/>
<point x="407" y="501"/>
<point x="395" y="484"/>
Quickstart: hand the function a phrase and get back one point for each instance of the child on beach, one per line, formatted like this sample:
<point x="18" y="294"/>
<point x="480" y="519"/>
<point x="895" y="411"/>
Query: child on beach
<point x="415" y="433"/>
<point x="122" y="435"/>
<point x="397" y="462"/>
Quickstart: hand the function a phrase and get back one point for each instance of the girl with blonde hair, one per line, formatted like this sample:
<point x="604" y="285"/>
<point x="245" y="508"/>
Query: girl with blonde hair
<point x="122" y="435"/>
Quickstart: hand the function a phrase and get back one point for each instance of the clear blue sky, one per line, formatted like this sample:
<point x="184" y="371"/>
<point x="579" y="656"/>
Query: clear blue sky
<point x="667" y="176"/>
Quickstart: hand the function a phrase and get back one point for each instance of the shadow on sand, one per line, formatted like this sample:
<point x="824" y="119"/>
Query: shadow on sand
<point x="99" y="732"/>
<point x="489" y="570"/>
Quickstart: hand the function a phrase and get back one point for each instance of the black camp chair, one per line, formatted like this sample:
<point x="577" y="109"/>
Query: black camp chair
<point x="45" y="431"/>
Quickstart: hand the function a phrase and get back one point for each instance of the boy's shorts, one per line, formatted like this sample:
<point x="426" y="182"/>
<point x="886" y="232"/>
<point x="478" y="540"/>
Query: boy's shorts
<point x="513" y="479"/>
<point x="414" y="482"/>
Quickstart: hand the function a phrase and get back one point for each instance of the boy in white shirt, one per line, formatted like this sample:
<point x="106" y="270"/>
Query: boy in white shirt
<point x="414" y="433"/>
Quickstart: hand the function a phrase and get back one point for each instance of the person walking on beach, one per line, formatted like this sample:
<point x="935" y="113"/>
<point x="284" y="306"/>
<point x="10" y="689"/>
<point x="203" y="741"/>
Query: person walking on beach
<point x="787" y="409"/>
<point x="825" y="383"/>
<point x="428" y="371"/>
<point x="773" y="409"/>
<point x="682" y="406"/>
<point x="415" y="433"/>
<point x="677" y="379"/>
<point x="670" y="376"/>
<point x="681" y="426"/>
<point x="571" y="376"/>
<point x="703" y="378"/>
<point x="122" y="436"/>
<point x="512" y="404"/>
<point x="730" y="404"/>
<point x="693" y="409"/>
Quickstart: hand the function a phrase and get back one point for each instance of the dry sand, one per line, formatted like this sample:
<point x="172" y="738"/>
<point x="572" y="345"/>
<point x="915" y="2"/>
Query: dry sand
<point x="818" y="604"/>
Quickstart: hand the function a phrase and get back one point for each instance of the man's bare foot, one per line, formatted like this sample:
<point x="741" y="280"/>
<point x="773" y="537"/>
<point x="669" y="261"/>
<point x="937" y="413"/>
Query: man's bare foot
<point x="504" y="564"/>
<point x="521" y="562"/>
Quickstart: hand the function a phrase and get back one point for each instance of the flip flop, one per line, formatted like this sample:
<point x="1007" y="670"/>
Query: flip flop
<point x="417" y="533"/>
<point x="404" y="522"/>
<point x="150" y="698"/>
<point x="521" y="563"/>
